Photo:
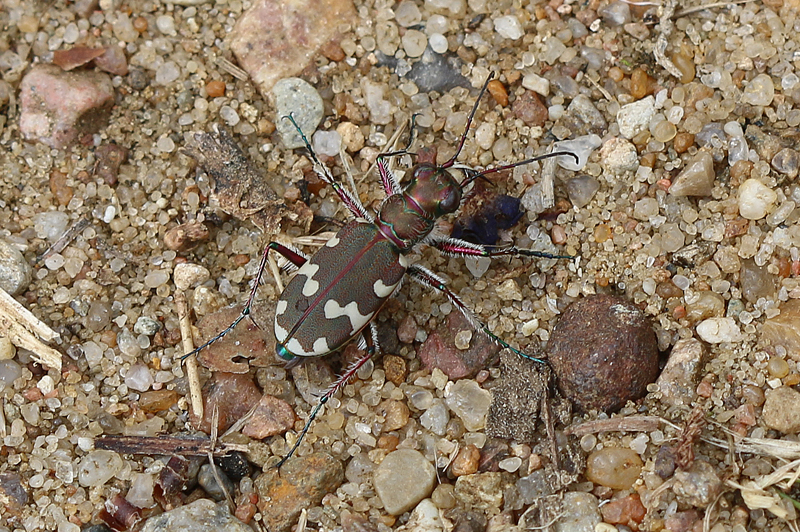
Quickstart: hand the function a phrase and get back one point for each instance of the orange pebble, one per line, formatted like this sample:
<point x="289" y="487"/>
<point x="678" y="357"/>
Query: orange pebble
<point x="215" y="88"/>
<point x="498" y="92"/>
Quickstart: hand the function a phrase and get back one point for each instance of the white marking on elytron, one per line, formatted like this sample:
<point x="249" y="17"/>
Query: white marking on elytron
<point x="281" y="334"/>
<point x="381" y="290"/>
<point x="403" y="261"/>
<point x="294" y="347"/>
<point x="281" y="307"/>
<point x="357" y="320"/>
<point x="320" y="346"/>
<point x="311" y="286"/>
<point x="333" y="242"/>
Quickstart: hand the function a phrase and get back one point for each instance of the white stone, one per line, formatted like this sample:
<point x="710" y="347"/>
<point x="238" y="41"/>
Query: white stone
<point x="755" y="199"/>
<point x="536" y="83"/>
<point x="635" y="117"/>
<point x="719" y="330"/>
<point x="508" y="27"/>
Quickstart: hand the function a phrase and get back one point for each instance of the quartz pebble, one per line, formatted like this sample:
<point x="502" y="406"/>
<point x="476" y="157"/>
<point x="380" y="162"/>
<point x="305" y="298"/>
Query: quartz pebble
<point x="299" y="98"/>
<point x="275" y="40"/>
<point x="403" y="479"/>
<point x="536" y="83"/>
<point x="208" y="481"/>
<point x="678" y="380"/>
<point x="581" y="190"/>
<point x="53" y="101"/>
<point x="98" y="467"/>
<point x="15" y="272"/>
<point x="189" y="275"/>
<point x="697" y="177"/>
<point x="614" y="467"/>
<point x="787" y="162"/>
<point x="619" y="156"/>
<point x="580" y="513"/>
<point x="719" y="330"/>
<point x="426" y="517"/>
<point x="508" y="27"/>
<point x="755" y="199"/>
<point x="469" y="402"/>
<point x="698" y="486"/>
<point x="327" y="143"/>
<point x="759" y="91"/>
<point x="139" y="378"/>
<point x="202" y="515"/>
<point x="784" y="329"/>
<point x="635" y="117"/>
<point x="782" y="410"/>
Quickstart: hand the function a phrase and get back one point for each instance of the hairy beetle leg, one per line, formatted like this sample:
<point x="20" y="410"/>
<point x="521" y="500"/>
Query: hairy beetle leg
<point x="431" y="280"/>
<point x="290" y="255"/>
<point x="371" y="344"/>
<point x="456" y="247"/>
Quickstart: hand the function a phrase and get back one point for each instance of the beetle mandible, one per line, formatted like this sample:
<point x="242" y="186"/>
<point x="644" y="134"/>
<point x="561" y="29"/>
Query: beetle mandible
<point x="336" y="293"/>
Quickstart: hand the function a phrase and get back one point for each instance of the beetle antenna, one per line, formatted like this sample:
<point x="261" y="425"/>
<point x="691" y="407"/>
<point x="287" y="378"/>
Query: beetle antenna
<point x="452" y="160"/>
<point x="509" y="166"/>
<point x="411" y="136"/>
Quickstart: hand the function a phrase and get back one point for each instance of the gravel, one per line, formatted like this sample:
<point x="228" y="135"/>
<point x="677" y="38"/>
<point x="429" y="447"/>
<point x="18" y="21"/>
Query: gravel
<point x="684" y="203"/>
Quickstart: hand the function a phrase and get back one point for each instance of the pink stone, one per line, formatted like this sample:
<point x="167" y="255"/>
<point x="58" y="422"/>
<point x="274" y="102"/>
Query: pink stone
<point x="58" y="105"/>
<point x="272" y="416"/>
<point x="276" y="39"/>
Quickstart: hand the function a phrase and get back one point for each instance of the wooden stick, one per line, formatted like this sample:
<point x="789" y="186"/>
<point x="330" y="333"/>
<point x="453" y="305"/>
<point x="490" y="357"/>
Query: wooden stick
<point x="25" y="330"/>
<point x="195" y="390"/>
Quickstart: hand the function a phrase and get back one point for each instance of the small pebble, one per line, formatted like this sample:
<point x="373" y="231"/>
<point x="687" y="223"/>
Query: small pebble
<point x="508" y="27"/>
<point x="699" y="486"/>
<point x="697" y="177"/>
<point x="208" y="481"/>
<point x="481" y="490"/>
<point x="782" y="410"/>
<point x="402" y="479"/>
<point x="759" y="91"/>
<point x="301" y="99"/>
<point x="718" y="330"/>
<point x="635" y="117"/>
<point x="530" y="109"/>
<point x="189" y="275"/>
<point x="678" y="380"/>
<point x="469" y="402"/>
<point x="202" y="515"/>
<point x="787" y="162"/>
<point x="755" y="199"/>
<point x="98" y="467"/>
<point x="614" y="467"/>
<point x="536" y="84"/>
<point x="15" y="272"/>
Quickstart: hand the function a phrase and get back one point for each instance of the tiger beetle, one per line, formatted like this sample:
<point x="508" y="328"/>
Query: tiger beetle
<point x="337" y="292"/>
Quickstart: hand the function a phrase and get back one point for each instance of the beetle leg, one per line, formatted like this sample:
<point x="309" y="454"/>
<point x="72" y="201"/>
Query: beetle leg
<point x="372" y="347"/>
<point x="431" y="280"/>
<point x="456" y="247"/>
<point x="390" y="184"/>
<point x="292" y="256"/>
<point x="349" y="198"/>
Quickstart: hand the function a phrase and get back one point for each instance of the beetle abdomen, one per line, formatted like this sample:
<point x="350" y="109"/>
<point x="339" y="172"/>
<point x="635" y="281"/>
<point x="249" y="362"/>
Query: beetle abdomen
<point x="334" y="295"/>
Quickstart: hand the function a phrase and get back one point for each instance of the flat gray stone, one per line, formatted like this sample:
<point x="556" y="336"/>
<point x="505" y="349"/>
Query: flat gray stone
<point x="404" y="478"/>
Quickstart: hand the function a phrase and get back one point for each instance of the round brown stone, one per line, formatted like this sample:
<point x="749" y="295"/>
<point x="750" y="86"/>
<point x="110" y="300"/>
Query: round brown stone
<point x="603" y="351"/>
